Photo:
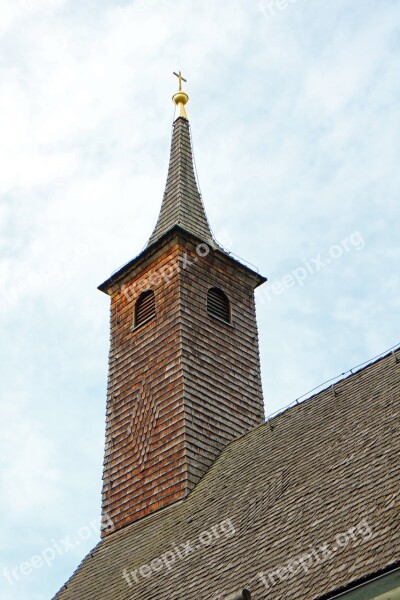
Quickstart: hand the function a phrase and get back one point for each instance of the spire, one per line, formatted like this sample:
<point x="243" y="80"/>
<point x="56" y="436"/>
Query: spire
<point x="182" y="204"/>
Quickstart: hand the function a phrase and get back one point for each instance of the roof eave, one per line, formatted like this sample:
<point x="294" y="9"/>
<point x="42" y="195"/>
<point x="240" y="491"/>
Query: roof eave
<point x="176" y="229"/>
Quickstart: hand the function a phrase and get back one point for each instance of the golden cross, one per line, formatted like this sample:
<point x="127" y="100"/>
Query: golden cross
<point x="180" y="78"/>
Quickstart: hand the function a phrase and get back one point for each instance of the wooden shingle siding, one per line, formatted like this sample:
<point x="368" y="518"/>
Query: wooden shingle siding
<point x="223" y="394"/>
<point x="182" y="385"/>
<point x="144" y="453"/>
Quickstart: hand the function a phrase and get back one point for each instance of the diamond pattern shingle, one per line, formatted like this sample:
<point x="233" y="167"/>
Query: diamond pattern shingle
<point x="182" y="204"/>
<point x="313" y="497"/>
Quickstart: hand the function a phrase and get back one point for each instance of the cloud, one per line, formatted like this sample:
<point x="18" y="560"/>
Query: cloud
<point x="14" y="11"/>
<point x="29" y="475"/>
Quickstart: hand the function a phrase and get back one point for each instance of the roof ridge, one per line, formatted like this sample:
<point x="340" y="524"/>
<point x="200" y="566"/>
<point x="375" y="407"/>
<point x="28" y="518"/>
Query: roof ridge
<point x="349" y="373"/>
<point x="270" y="418"/>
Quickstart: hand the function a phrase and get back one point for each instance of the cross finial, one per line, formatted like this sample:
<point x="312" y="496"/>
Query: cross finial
<point x="180" y="79"/>
<point x="180" y="98"/>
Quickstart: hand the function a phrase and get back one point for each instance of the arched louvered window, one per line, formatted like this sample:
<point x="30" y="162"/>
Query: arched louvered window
<point x="218" y="305"/>
<point x="145" y="308"/>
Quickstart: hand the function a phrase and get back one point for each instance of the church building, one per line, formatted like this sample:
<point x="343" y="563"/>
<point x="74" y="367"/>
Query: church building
<point x="202" y="499"/>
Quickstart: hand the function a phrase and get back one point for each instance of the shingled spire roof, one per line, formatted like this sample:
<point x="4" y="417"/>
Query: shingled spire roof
<point x="182" y="204"/>
<point x="182" y="207"/>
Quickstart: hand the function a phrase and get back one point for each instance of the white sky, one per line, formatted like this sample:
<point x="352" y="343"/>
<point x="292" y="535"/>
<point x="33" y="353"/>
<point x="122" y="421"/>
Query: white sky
<point x="295" y="120"/>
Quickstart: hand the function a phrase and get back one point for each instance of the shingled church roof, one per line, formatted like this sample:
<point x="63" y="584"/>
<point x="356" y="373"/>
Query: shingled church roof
<point x="182" y="204"/>
<point x="314" y="491"/>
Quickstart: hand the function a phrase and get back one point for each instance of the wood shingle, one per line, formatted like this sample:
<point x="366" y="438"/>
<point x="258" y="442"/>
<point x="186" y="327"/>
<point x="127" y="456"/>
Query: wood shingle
<point x="306" y="504"/>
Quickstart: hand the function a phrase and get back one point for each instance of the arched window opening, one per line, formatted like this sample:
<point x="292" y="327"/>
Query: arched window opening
<point x="145" y="308"/>
<point x="218" y="305"/>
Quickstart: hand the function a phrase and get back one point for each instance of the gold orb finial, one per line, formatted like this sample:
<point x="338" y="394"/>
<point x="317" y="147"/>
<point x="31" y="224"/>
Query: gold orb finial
<point x="180" y="98"/>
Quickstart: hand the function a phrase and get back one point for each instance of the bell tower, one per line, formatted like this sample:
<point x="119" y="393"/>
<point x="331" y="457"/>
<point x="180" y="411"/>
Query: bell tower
<point x="184" y="373"/>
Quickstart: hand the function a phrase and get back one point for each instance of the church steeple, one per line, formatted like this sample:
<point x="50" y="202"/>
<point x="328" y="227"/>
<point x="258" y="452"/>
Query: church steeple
<point x="184" y="371"/>
<point x="182" y="205"/>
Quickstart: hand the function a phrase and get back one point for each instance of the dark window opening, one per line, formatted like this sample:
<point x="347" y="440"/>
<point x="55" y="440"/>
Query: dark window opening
<point x="145" y="308"/>
<point x="218" y="305"/>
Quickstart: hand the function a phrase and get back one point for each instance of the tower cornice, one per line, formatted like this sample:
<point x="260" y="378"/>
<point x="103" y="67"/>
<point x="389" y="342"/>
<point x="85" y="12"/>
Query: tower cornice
<point x="139" y="262"/>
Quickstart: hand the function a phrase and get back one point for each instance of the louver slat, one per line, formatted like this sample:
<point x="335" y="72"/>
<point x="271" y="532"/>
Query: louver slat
<point x="145" y="308"/>
<point x="218" y="305"/>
